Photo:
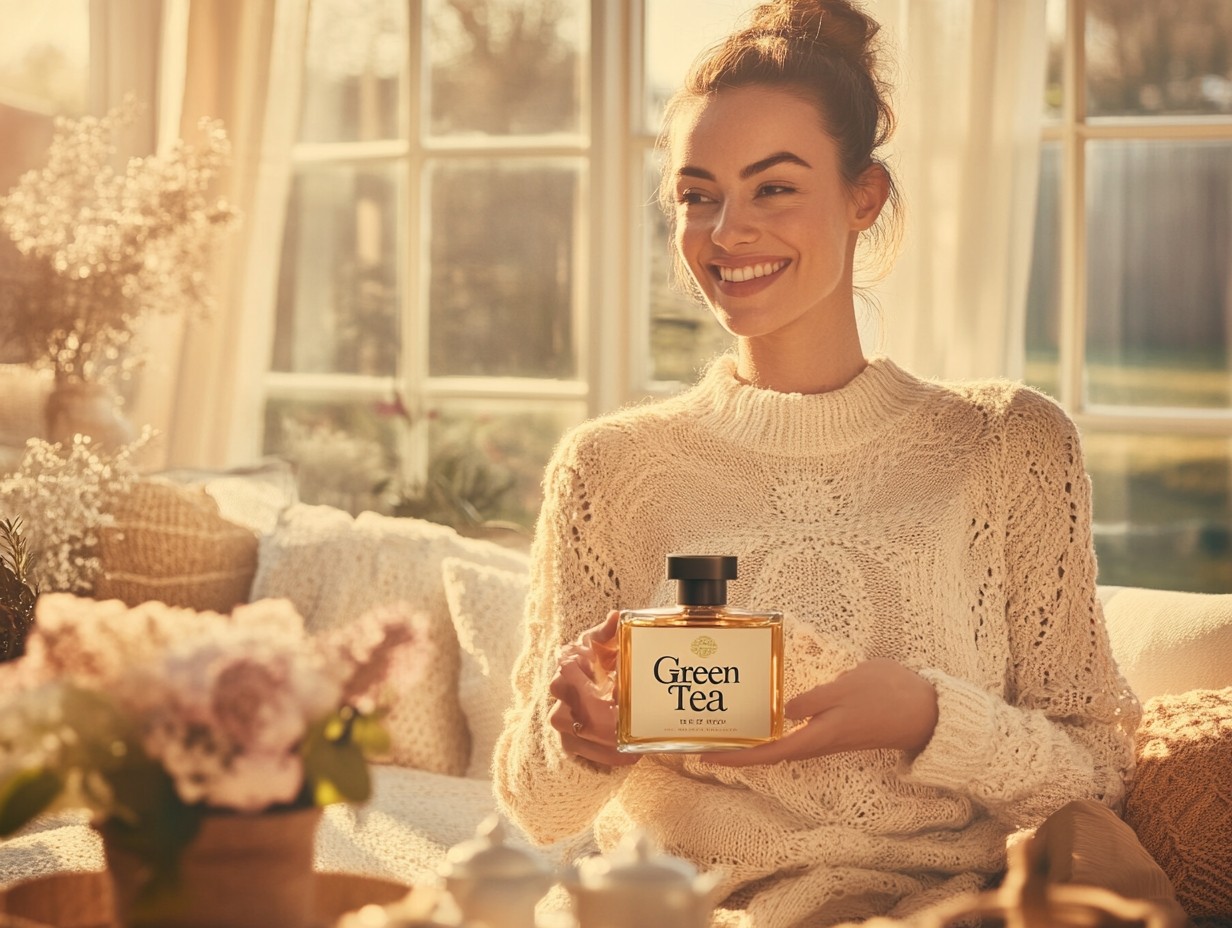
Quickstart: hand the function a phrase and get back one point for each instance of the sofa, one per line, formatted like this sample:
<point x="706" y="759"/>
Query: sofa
<point x="213" y="540"/>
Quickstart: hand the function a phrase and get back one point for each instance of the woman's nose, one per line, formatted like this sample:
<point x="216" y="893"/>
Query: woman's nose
<point x="734" y="225"/>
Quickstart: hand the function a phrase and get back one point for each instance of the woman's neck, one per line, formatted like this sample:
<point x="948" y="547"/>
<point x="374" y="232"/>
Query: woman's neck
<point x="798" y="363"/>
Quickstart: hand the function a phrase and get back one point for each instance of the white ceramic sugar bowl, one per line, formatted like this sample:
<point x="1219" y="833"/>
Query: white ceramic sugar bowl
<point x="493" y="884"/>
<point x="637" y="887"/>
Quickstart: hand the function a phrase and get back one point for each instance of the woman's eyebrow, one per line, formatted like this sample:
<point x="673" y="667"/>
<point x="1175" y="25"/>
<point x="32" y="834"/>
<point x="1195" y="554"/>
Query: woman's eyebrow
<point x="757" y="167"/>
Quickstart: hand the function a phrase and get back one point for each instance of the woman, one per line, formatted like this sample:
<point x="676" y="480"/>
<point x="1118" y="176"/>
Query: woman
<point x="928" y="544"/>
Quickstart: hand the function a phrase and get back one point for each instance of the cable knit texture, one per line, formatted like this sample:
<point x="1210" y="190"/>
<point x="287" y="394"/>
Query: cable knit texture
<point x="946" y="526"/>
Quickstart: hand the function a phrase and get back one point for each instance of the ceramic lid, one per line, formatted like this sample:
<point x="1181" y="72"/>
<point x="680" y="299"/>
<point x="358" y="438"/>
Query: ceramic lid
<point x="487" y="857"/>
<point x="636" y="862"/>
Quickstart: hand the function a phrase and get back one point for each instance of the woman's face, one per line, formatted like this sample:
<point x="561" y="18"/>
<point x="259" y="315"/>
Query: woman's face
<point x="764" y="221"/>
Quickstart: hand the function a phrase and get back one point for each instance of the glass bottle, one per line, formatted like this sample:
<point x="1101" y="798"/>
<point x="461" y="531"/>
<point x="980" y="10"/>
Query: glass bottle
<point x="700" y="675"/>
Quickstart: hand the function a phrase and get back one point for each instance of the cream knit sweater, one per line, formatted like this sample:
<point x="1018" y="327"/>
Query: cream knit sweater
<point x="946" y="526"/>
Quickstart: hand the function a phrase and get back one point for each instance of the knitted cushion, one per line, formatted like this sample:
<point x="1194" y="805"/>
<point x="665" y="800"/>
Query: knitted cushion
<point x="1169" y="642"/>
<point x="169" y="543"/>
<point x="333" y="567"/>
<point x="486" y="605"/>
<point x="1180" y="803"/>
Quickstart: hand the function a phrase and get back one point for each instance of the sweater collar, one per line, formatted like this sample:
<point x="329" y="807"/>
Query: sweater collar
<point x="799" y="423"/>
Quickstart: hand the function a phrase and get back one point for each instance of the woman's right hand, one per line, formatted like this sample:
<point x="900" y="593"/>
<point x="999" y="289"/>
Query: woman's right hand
<point x="584" y="688"/>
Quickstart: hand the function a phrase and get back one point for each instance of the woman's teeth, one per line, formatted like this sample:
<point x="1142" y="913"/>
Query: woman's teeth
<point x="738" y="274"/>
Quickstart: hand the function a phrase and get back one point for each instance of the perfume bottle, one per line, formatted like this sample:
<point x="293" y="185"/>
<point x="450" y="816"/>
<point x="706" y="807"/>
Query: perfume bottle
<point x="699" y="676"/>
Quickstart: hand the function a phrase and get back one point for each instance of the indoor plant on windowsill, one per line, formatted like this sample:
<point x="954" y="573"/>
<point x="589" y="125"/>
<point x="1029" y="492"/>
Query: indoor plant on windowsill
<point x="96" y="250"/>
<point x="204" y="744"/>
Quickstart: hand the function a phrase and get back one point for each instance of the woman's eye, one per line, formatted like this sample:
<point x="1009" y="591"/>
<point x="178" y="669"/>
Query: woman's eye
<point x="770" y="190"/>
<point x="692" y="197"/>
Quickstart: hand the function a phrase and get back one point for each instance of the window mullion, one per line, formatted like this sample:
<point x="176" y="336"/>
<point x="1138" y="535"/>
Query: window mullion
<point x="1072" y="335"/>
<point x="413" y="359"/>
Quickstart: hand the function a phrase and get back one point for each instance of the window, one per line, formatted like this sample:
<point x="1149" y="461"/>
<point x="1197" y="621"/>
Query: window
<point x="446" y="162"/>
<point x="496" y="268"/>
<point x="1130" y="310"/>
<point x="44" y="73"/>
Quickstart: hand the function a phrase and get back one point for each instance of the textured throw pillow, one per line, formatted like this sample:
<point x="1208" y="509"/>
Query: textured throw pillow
<point x="334" y="567"/>
<point x="1169" y="642"/>
<point x="170" y="543"/>
<point x="1180" y="803"/>
<point x="486" y="605"/>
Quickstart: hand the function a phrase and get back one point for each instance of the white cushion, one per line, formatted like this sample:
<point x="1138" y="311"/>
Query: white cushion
<point x="334" y="568"/>
<point x="1170" y="642"/>
<point x="486" y="606"/>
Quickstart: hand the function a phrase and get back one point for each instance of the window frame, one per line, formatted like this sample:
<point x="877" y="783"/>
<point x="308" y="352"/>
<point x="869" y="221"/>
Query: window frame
<point x="1072" y="130"/>
<point x="601" y="291"/>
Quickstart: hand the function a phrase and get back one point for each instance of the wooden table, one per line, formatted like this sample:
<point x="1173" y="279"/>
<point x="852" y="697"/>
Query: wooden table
<point x="83" y="900"/>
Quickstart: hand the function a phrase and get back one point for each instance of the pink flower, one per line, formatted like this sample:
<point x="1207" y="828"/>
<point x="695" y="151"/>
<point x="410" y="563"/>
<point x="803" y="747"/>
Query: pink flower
<point x="255" y="781"/>
<point x="368" y="647"/>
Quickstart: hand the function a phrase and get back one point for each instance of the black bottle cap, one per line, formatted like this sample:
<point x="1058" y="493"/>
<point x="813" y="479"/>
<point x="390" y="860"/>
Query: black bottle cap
<point x="702" y="577"/>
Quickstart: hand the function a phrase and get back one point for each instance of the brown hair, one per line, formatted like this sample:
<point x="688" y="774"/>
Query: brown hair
<point x="826" y="51"/>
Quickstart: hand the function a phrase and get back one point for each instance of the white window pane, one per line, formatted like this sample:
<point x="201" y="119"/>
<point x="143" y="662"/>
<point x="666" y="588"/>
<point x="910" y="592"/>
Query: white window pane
<point x="338" y="299"/>
<point x="675" y="32"/>
<point x="1044" y="286"/>
<point x="1152" y="58"/>
<point x="504" y="248"/>
<point x="507" y="67"/>
<point x="354" y="70"/>
<point x="1159" y="241"/>
<point x="44" y="73"/>
<point x="486" y="460"/>
<point x="1163" y="510"/>
<point x="344" y="453"/>
<point x="1054" y="88"/>
<point x="683" y="332"/>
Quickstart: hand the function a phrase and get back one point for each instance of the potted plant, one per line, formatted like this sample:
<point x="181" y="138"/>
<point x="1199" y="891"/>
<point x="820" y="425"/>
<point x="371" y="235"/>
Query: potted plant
<point x="203" y="743"/>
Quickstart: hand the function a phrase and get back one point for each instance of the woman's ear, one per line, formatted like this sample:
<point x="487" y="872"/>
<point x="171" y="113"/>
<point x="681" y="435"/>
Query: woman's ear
<point x="868" y="196"/>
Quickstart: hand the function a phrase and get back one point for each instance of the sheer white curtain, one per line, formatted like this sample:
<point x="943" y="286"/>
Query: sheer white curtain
<point x="242" y="64"/>
<point x="966" y="154"/>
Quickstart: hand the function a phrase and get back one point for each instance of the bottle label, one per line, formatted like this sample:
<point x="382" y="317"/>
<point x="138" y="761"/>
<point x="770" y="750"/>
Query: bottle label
<point x="700" y="682"/>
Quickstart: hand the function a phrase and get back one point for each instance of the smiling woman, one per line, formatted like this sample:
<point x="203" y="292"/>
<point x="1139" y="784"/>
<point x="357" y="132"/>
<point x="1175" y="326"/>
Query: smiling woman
<point x="927" y="543"/>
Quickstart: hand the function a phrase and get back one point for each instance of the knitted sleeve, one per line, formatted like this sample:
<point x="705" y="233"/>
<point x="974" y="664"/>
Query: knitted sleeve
<point x="1065" y="727"/>
<point x="550" y="794"/>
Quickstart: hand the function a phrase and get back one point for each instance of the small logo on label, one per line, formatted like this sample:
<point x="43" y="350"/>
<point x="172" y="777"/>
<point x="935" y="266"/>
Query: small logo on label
<point x="704" y="646"/>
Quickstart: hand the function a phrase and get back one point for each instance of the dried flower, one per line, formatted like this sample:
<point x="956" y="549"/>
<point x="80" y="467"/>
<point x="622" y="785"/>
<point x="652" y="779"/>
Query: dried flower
<point x="65" y="494"/>
<point x="100" y="249"/>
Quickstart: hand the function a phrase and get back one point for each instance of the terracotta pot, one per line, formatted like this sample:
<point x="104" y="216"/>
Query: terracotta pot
<point x="241" y="871"/>
<point x="81" y="407"/>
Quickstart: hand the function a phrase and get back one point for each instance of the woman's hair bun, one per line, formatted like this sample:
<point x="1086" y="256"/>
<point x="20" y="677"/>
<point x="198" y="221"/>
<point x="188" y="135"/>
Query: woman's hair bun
<point x="839" y="27"/>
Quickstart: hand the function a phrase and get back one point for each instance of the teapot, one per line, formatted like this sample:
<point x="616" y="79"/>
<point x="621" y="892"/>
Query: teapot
<point x="636" y="887"/>
<point x="493" y="884"/>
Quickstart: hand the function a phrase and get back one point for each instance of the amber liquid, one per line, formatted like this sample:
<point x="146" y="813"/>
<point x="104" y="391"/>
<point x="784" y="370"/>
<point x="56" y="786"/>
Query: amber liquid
<point x="699" y="678"/>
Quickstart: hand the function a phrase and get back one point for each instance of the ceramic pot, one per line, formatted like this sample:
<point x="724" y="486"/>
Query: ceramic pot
<point x="83" y="407"/>
<point x="241" y="871"/>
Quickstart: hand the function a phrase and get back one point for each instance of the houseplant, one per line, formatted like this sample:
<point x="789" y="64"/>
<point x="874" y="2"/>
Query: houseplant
<point x="191" y="735"/>
<point x="97" y="249"/>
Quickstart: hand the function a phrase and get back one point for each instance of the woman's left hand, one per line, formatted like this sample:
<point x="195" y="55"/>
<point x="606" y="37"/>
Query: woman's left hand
<point x="879" y="703"/>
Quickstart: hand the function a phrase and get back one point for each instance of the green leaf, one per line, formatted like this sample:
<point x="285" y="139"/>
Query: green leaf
<point x="370" y="735"/>
<point x="336" y="770"/>
<point x="25" y="795"/>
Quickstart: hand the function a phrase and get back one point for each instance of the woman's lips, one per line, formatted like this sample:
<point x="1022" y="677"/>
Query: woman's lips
<point x="749" y="271"/>
<point x="746" y="279"/>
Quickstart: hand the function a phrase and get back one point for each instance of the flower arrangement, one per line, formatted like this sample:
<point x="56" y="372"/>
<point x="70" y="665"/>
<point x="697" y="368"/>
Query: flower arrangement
<point x="99" y="249"/>
<point x="64" y="495"/>
<point x="155" y="717"/>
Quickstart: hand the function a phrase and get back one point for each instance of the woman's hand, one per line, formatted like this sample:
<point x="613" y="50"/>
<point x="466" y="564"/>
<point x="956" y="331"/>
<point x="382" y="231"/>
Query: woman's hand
<point x="879" y="703"/>
<point x="585" y="692"/>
